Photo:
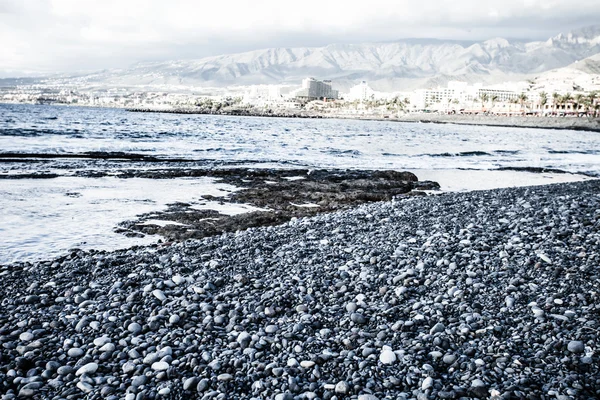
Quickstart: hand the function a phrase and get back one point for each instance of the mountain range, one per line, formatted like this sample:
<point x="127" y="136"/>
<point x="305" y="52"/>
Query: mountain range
<point x="397" y="65"/>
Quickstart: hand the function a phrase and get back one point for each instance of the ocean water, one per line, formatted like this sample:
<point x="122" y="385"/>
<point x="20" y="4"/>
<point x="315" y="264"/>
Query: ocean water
<point x="41" y="218"/>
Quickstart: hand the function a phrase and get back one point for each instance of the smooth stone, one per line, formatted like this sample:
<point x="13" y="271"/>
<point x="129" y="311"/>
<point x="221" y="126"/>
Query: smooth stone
<point x="32" y="386"/>
<point x="358" y="318"/>
<point x="134" y="328"/>
<point x="151" y="358"/>
<point x="244" y="338"/>
<point x="128" y="367"/>
<point x="190" y="383"/>
<point x="225" y="377"/>
<point x="449" y="359"/>
<point x="26" y="392"/>
<point x="367" y="351"/>
<point x="437" y="328"/>
<point x="108" y="347"/>
<point x="89" y="368"/>
<point x="160" y="366"/>
<point x="32" y="299"/>
<point x="75" y="352"/>
<point x="101" y="341"/>
<point x="387" y="357"/>
<point x="538" y="312"/>
<point x="202" y="385"/>
<point x="510" y="302"/>
<point x="427" y="383"/>
<point x="26" y="337"/>
<point x="65" y="370"/>
<point x="159" y="294"/>
<point x="85" y="387"/>
<point x="342" y="387"/>
<point x="576" y="346"/>
<point x="139" y="381"/>
<point x="106" y="391"/>
<point x="478" y="383"/>
<point x="165" y="351"/>
<point x="307" y="364"/>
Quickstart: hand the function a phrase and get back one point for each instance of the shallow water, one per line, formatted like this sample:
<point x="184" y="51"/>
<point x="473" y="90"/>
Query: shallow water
<point x="49" y="216"/>
<point x="40" y="218"/>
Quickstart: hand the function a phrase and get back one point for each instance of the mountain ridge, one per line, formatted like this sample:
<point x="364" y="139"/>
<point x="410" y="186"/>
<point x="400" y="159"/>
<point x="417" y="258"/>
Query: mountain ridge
<point x="397" y="65"/>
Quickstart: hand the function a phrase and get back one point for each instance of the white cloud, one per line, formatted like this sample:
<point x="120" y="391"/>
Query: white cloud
<point x="66" y="35"/>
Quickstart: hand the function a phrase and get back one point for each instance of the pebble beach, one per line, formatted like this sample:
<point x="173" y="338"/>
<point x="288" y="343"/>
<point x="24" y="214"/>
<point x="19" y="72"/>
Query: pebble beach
<point x="486" y="294"/>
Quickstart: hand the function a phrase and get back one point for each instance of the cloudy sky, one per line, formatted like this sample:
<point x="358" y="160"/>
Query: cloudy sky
<point x="44" y="36"/>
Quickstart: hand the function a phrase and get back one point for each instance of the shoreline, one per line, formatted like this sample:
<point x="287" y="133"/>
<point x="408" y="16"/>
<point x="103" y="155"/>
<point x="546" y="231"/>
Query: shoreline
<point x="556" y="123"/>
<point x="528" y="122"/>
<point x="448" y="296"/>
<point x="253" y="196"/>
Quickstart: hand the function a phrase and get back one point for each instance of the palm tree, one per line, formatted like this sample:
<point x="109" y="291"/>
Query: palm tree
<point x="585" y="102"/>
<point x="484" y="99"/>
<point x="578" y="100"/>
<point x="543" y="100"/>
<point x="592" y="101"/>
<point x="555" y="100"/>
<point x="510" y="102"/>
<point x="566" y="99"/>
<point x="494" y="100"/>
<point x="522" y="100"/>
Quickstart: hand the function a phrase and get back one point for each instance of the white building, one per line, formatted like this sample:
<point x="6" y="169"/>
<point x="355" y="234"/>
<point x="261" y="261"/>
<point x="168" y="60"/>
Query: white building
<point x="438" y="99"/>
<point x="313" y="89"/>
<point x="457" y="96"/>
<point x="498" y="95"/>
<point x="360" y="92"/>
<point x="263" y="94"/>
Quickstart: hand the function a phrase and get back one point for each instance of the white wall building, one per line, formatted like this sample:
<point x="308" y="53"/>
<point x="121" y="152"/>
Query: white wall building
<point x="263" y="94"/>
<point x="458" y="95"/>
<point x="360" y="92"/>
<point x="313" y="89"/>
<point x="437" y="99"/>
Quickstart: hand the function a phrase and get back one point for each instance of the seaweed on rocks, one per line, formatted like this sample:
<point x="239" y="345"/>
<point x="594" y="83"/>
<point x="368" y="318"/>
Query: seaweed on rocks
<point x="280" y="196"/>
<point x="489" y="294"/>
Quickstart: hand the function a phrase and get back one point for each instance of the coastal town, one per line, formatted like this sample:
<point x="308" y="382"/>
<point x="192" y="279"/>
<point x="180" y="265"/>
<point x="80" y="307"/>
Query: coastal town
<point x="320" y="97"/>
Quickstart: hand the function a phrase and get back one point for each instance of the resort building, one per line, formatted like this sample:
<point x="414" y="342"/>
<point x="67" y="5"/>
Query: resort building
<point x="263" y="94"/>
<point x="497" y="94"/>
<point x="313" y="89"/>
<point x="360" y="92"/>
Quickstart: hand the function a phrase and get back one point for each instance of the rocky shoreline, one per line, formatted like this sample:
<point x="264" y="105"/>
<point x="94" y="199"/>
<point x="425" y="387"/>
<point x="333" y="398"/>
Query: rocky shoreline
<point x="489" y="294"/>
<point x="279" y="195"/>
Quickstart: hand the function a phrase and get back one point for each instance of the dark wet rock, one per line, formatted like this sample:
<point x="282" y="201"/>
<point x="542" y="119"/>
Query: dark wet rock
<point x="285" y="194"/>
<point x="358" y="318"/>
